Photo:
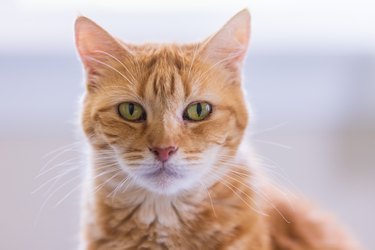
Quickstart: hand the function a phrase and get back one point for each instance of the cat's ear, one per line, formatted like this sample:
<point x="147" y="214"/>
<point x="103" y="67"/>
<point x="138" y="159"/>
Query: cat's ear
<point x="96" y="46"/>
<point x="229" y="45"/>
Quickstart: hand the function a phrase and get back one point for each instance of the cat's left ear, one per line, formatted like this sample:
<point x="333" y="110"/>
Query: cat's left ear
<point x="96" y="47"/>
<point x="229" y="45"/>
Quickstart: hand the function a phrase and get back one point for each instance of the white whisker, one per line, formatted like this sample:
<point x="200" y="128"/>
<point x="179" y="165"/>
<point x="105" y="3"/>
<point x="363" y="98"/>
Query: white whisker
<point x="113" y="57"/>
<point x="54" y="178"/>
<point x="109" y="66"/>
<point x="272" y="143"/>
<point x="209" y="195"/>
<point x="68" y="194"/>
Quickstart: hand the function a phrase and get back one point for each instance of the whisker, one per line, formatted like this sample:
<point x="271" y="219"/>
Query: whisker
<point x="272" y="143"/>
<point x="225" y="183"/>
<point x="54" y="192"/>
<point x="99" y="187"/>
<point x="209" y="195"/>
<point x="69" y="146"/>
<point x="104" y="173"/>
<point x="193" y="60"/>
<point x="68" y="194"/>
<point x="268" y="129"/>
<point x="54" y="178"/>
<point x="54" y="158"/>
<point x="109" y="66"/>
<point x="114" y="192"/>
<point x="205" y="74"/>
<point x="64" y="163"/>
<point x="113" y="57"/>
<point x="264" y="196"/>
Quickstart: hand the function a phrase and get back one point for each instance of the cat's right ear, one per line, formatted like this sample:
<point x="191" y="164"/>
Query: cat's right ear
<point x="96" y="47"/>
<point x="229" y="45"/>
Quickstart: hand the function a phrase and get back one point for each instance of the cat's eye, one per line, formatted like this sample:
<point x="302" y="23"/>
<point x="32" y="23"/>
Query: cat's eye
<point x="197" y="111"/>
<point x="131" y="111"/>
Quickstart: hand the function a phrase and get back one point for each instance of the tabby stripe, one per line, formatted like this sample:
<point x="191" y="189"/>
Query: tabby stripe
<point x="172" y="84"/>
<point x="155" y="86"/>
<point x="134" y="157"/>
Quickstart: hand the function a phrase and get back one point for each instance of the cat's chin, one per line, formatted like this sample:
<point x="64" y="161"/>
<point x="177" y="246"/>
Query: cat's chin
<point x="165" y="181"/>
<point x="163" y="184"/>
<point x="164" y="173"/>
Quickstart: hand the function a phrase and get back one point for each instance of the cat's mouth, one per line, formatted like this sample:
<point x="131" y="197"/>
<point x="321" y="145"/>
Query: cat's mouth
<point x="164" y="178"/>
<point x="164" y="171"/>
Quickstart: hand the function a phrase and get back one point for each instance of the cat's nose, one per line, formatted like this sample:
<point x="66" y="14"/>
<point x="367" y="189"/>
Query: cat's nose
<point x="163" y="154"/>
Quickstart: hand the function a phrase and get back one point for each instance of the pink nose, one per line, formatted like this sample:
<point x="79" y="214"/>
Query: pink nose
<point x="163" y="154"/>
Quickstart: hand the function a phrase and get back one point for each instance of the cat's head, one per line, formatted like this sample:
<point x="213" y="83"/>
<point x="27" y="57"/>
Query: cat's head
<point x="167" y="114"/>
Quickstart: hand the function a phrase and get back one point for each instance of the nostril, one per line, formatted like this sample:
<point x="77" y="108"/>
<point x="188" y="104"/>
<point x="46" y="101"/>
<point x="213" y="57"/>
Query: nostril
<point x="154" y="151"/>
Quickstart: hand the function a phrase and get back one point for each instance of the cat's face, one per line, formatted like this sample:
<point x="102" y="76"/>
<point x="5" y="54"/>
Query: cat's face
<point x="167" y="114"/>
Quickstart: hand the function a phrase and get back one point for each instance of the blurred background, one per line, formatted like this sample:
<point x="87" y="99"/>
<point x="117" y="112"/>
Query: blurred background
<point x="310" y="77"/>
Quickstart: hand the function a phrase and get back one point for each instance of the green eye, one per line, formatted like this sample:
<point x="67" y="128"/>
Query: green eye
<point x="197" y="111"/>
<point x="131" y="111"/>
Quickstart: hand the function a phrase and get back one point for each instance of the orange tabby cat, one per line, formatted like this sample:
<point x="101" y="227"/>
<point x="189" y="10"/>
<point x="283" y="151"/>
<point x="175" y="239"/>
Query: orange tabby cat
<point x="169" y="169"/>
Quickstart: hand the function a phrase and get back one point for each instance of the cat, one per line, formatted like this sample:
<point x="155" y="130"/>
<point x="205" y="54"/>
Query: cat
<point x="169" y="166"/>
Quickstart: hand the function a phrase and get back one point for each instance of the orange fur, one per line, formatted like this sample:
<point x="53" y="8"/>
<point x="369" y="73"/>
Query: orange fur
<point x="220" y="201"/>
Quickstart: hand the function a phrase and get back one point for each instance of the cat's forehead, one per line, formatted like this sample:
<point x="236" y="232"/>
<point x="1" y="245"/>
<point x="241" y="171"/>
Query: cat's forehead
<point x="162" y="76"/>
<point x="165" y="57"/>
<point x="153" y="51"/>
<point x="169" y="71"/>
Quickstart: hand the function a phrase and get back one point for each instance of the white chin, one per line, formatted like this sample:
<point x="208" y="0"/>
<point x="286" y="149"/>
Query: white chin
<point x="164" y="183"/>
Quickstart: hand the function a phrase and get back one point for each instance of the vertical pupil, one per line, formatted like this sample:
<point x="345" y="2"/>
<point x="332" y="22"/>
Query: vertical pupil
<point x="131" y="108"/>
<point x="199" y="109"/>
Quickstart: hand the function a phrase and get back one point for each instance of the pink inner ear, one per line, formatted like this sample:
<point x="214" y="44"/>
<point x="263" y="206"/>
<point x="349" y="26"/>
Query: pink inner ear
<point x="91" y="39"/>
<point x="89" y="35"/>
<point x="229" y="45"/>
<point x="96" y="47"/>
<point x="91" y="70"/>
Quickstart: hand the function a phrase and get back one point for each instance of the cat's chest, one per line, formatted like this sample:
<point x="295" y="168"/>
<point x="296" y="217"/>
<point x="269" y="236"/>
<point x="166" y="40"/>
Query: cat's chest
<point x="147" y="227"/>
<point x="158" y="236"/>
